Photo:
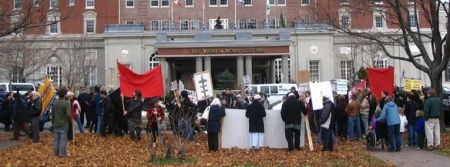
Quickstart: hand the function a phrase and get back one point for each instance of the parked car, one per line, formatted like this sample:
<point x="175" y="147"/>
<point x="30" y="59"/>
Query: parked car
<point x="21" y="87"/>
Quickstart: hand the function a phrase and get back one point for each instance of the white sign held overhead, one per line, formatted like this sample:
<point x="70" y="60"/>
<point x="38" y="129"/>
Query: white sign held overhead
<point x="341" y="86"/>
<point x="247" y="80"/>
<point x="319" y="90"/>
<point x="203" y="85"/>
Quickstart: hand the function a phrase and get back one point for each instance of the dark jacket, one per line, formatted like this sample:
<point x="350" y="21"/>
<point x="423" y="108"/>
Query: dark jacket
<point x="135" y="109"/>
<point x="328" y="111"/>
<point x="20" y="110"/>
<point x="255" y="113"/>
<point x="411" y="108"/>
<point x="340" y="109"/>
<point x="215" y="114"/>
<point x="290" y="111"/>
<point x="433" y="108"/>
<point x="35" y="108"/>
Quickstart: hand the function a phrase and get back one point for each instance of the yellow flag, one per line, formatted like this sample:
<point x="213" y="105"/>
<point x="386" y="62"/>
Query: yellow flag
<point x="47" y="92"/>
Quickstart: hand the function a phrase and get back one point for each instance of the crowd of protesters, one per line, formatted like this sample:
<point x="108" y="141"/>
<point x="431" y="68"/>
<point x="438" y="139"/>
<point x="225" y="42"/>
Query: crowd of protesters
<point x="98" y="110"/>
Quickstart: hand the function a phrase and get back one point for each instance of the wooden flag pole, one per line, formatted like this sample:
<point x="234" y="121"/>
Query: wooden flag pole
<point x="308" y="132"/>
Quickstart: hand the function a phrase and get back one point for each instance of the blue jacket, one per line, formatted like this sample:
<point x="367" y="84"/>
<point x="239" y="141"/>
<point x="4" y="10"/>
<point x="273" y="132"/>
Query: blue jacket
<point x="215" y="115"/>
<point x="390" y="114"/>
<point x="420" y="125"/>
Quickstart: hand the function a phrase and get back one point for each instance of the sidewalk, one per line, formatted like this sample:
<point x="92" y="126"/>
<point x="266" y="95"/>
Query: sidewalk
<point x="411" y="157"/>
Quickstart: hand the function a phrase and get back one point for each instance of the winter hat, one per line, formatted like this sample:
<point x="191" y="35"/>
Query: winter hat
<point x="184" y="94"/>
<point x="257" y="97"/>
<point x="291" y="94"/>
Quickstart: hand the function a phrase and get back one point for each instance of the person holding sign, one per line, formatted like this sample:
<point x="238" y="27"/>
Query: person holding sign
<point x="290" y="114"/>
<point x="255" y="113"/>
<point x="327" y="122"/>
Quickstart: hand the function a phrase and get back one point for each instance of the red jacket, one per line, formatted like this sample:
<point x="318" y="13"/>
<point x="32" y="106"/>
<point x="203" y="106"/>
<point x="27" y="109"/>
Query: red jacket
<point x="151" y="117"/>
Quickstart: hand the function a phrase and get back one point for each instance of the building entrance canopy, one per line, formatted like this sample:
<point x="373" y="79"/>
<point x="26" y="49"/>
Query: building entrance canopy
<point x="223" y="50"/>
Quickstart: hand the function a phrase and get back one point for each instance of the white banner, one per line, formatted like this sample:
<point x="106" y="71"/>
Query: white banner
<point x="319" y="90"/>
<point x="203" y="85"/>
<point x="341" y="86"/>
<point x="235" y="132"/>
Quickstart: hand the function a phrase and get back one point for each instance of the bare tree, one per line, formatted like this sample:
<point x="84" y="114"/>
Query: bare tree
<point x="78" y="63"/>
<point x="21" y="57"/>
<point x="397" y="14"/>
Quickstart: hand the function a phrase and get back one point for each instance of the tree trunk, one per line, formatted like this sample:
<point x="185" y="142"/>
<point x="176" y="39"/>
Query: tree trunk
<point x="436" y="82"/>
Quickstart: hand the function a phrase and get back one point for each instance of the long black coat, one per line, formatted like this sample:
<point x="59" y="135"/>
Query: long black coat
<point x="290" y="111"/>
<point x="20" y="110"/>
<point x="255" y="113"/>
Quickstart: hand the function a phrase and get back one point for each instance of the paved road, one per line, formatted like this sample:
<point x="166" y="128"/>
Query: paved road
<point x="411" y="157"/>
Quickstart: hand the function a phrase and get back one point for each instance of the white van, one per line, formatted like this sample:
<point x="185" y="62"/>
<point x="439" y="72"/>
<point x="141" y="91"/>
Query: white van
<point x="21" y="87"/>
<point x="271" y="89"/>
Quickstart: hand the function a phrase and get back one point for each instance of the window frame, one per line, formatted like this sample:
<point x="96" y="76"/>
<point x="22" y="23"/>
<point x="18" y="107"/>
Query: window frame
<point x="90" y="7"/>
<point x="126" y="4"/>
<point x="188" y="6"/>
<point x="152" y="25"/>
<point x="305" y="4"/>
<point x="184" y="24"/>
<point x="94" y="22"/>
<point x="310" y="69"/>
<point x="151" y="3"/>
<point x="165" y="6"/>
<point x="17" y="6"/>
<point x="376" y="22"/>
<point x="218" y="3"/>
<point x="53" y="7"/>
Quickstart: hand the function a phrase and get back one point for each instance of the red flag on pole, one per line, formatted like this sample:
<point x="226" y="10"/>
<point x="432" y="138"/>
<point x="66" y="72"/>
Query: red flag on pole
<point x="381" y="79"/>
<point x="149" y="83"/>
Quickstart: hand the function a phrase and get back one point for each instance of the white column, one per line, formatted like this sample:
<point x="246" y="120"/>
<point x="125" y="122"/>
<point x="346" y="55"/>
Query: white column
<point x="284" y="66"/>
<point x="248" y="66"/>
<point x="198" y="64"/>
<point x="240" y="70"/>
<point x="165" y="73"/>
<point x="207" y="63"/>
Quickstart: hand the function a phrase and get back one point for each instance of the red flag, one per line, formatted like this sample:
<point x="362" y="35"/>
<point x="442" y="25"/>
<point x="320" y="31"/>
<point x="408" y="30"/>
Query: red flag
<point x="149" y="83"/>
<point x="381" y="79"/>
<point x="361" y="85"/>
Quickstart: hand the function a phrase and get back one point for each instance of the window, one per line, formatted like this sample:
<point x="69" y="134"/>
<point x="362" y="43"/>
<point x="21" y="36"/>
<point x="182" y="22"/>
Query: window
<point x="279" y="70"/>
<point x="305" y="2"/>
<point x="379" y="21"/>
<point x="165" y="25"/>
<point x="242" y="23"/>
<point x="272" y="22"/>
<point x="90" y="4"/>
<point x="53" y="22"/>
<point x="130" y="4"/>
<point x="129" y="22"/>
<point x="155" y="25"/>
<point x="92" y="75"/>
<point x="411" y="1"/>
<point x="378" y="1"/>
<point x="345" y="22"/>
<point x="54" y="4"/>
<point x="154" y="3"/>
<point x="346" y="70"/>
<point x="184" y="24"/>
<point x="164" y="3"/>
<point x="252" y="23"/>
<point x="17" y="4"/>
<point x="212" y="23"/>
<point x="380" y="63"/>
<point x="412" y="22"/>
<point x="343" y="1"/>
<point x="218" y="2"/>
<point x="265" y="89"/>
<point x="274" y="89"/>
<point x="248" y="2"/>
<point x="90" y="26"/>
<point x="153" y="61"/>
<point x="54" y="73"/>
<point x="314" y="70"/>
<point x="189" y="3"/>
<point x="35" y="3"/>
<point x="195" y="24"/>
<point x="279" y="2"/>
